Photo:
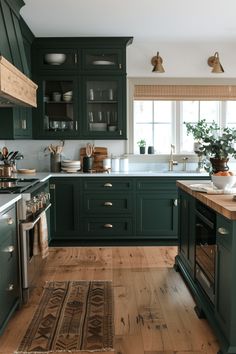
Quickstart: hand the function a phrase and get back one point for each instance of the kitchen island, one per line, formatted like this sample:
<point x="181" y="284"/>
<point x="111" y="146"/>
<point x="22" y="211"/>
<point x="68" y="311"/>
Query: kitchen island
<point x="207" y="258"/>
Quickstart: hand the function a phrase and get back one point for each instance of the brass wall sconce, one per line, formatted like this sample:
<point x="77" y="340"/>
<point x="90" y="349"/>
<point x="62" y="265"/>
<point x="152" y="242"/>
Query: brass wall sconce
<point x="157" y="64"/>
<point x="214" y="62"/>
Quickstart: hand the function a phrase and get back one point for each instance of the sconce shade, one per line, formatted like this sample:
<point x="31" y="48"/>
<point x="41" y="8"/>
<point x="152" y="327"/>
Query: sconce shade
<point x="157" y="64"/>
<point x="214" y="62"/>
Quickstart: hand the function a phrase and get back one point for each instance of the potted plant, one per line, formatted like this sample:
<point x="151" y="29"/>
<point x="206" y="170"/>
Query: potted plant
<point x="142" y="146"/>
<point x="215" y="143"/>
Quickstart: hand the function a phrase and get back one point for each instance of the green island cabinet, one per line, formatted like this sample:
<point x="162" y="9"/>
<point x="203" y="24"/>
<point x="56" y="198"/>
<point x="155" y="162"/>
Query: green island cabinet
<point x="221" y="314"/>
<point x="82" y="87"/>
<point x="9" y="275"/>
<point x="15" y="43"/>
<point x="114" y="210"/>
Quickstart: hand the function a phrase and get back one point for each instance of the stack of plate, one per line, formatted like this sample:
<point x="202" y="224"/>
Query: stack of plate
<point x="70" y="166"/>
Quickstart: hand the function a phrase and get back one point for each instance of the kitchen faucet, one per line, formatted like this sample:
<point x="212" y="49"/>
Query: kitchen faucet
<point x="172" y="162"/>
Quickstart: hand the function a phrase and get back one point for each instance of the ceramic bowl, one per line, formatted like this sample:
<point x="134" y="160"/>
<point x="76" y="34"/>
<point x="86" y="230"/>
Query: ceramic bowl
<point x="223" y="182"/>
<point x="55" y="58"/>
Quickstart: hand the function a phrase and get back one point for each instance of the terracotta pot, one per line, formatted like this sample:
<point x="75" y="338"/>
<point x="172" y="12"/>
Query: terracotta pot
<point x="219" y="165"/>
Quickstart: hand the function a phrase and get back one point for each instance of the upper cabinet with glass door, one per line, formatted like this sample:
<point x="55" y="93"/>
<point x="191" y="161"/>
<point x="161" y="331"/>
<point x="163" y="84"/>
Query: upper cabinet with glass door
<point x="58" y="108"/>
<point x="104" y="107"/>
<point x="82" y="87"/>
<point x="57" y="59"/>
<point x="103" y="59"/>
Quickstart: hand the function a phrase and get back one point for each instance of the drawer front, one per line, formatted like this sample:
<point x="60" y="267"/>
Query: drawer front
<point x="156" y="184"/>
<point x="107" y="226"/>
<point x="107" y="203"/>
<point x="108" y="184"/>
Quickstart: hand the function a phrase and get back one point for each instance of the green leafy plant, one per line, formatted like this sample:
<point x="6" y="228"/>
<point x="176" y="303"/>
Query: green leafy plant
<point x="141" y="143"/>
<point x="215" y="142"/>
<point x="200" y="129"/>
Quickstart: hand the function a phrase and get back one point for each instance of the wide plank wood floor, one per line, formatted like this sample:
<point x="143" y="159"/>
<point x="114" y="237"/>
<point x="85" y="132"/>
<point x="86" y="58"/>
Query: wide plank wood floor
<point x="154" y="311"/>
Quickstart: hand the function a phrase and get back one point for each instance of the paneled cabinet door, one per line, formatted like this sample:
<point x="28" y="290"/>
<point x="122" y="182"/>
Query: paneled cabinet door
<point x="57" y="115"/>
<point x="9" y="275"/>
<point x="157" y="214"/>
<point x="186" y="232"/>
<point x="104" y="107"/>
<point x="225" y="275"/>
<point x="64" y="215"/>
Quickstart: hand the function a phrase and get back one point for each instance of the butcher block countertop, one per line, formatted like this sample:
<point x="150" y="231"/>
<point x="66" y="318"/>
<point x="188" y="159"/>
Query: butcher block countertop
<point x="221" y="203"/>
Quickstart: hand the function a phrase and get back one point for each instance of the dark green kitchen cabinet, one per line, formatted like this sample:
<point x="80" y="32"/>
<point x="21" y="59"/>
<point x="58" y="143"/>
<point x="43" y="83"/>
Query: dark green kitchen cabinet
<point x="96" y="69"/>
<point x="103" y="106"/>
<point x="157" y="208"/>
<point x="220" y="311"/>
<point x="186" y="230"/>
<point x="65" y="213"/>
<point x="16" y="123"/>
<point x="9" y="269"/>
<point x="225" y="275"/>
<point x="58" y="117"/>
<point x="107" y="208"/>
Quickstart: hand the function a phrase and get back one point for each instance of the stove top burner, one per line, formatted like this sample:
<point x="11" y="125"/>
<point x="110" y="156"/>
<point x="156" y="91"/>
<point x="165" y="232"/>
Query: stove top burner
<point x="16" y="185"/>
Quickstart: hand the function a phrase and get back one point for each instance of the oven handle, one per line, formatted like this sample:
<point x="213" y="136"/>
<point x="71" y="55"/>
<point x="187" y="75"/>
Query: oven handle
<point x="26" y="226"/>
<point x="205" y="220"/>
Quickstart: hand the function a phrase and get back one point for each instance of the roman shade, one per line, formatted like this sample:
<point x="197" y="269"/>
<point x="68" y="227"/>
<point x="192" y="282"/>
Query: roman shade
<point x="185" y="92"/>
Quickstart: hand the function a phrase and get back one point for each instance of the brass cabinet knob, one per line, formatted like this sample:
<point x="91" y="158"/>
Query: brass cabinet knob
<point x="108" y="185"/>
<point x="10" y="287"/>
<point x="222" y="231"/>
<point x="108" y="226"/>
<point x="10" y="221"/>
<point x="9" y="249"/>
<point x="108" y="204"/>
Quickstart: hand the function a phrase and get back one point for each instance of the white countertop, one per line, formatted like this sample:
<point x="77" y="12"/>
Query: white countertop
<point x="43" y="176"/>
<point x="7" y="200"/>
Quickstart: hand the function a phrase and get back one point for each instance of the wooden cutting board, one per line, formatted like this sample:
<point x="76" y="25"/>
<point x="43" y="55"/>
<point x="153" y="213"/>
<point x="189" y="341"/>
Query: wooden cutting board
<point x="100" y="153"/>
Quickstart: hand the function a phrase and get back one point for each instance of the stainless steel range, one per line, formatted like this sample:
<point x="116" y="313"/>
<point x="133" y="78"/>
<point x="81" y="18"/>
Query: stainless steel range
<point x="34" y="203"/>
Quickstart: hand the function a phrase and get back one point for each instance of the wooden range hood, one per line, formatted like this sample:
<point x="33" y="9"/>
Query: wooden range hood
<point x="15" y="87"/>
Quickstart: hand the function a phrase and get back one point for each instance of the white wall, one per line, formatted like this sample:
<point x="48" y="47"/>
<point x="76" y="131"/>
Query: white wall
<point x="180" y="60"/>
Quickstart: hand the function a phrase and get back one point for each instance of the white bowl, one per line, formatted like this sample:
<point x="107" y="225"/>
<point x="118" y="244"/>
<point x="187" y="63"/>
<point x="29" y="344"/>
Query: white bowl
<point x="67" y="98"/>
<point x="223" y="182"/>
<point x="55" y="58"/>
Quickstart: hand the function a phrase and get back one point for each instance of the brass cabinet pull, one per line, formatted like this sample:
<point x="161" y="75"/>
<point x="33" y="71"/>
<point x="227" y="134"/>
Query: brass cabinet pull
<point x="108" y="204"/>
<point x="175" y="202"/>
<point x="222" y="231"/>
<point x="108" y="185"/>
<point x="108" y="226"/>
<point x="10" y="221"/>
<point x="10" y="287"/>
<point x="9" y="249"/>
<point x="120" y="66"/>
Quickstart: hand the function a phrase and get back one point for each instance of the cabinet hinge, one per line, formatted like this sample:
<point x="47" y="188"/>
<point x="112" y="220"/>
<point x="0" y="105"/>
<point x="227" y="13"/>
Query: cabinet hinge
<point x="120" y="66"/>
<point x="52" y="186"/>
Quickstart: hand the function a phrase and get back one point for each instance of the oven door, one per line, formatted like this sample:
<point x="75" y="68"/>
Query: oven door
<point x="31" y="264"/>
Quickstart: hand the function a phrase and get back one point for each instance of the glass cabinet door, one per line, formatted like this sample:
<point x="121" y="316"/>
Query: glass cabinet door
<point x="58" y="109"/>
<point x="57" y="59"/>
<point x="102" y="59"/>
<point x="103" y="107"/>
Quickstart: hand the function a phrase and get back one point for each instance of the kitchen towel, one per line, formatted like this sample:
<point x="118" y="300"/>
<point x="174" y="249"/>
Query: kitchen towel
<point x="41" y="237"/>
<point x="210" y="189"/>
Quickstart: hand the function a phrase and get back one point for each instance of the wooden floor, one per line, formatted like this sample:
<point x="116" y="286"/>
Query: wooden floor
<point x="154" y="311"/>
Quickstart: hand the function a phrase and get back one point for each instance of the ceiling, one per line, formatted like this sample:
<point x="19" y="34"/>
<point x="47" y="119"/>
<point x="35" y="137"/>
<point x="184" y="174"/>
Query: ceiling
<point x="149" y="20"/>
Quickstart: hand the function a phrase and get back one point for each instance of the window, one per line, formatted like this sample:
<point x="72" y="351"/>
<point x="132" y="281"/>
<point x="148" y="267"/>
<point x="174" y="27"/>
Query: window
<point x="160" y="123"/>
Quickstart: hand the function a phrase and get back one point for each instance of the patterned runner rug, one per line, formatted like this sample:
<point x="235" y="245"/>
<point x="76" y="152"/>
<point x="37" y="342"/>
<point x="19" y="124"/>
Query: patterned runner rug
<point x="72" y="316"/>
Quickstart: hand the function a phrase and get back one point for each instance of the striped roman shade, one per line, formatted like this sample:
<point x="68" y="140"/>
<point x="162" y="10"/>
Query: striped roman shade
<point x="185" y="92"/>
